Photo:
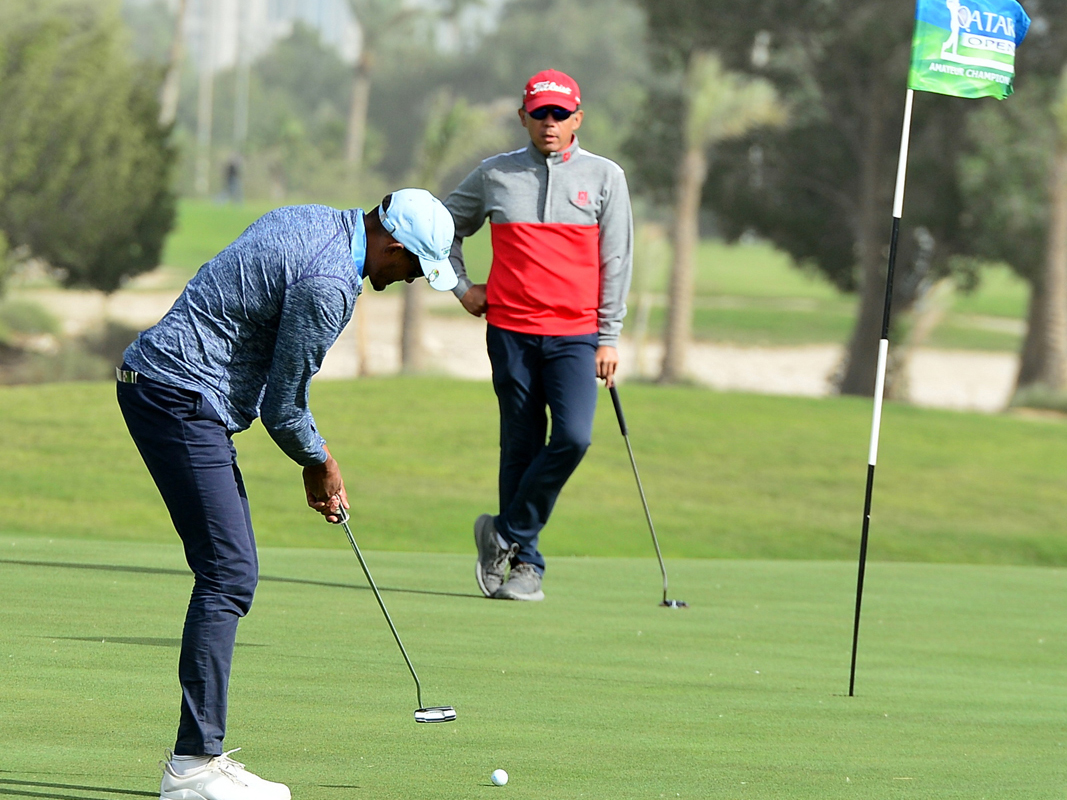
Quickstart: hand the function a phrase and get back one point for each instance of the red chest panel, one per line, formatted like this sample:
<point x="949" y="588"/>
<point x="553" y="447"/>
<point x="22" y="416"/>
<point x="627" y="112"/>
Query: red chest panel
<point x="545" y="278"/>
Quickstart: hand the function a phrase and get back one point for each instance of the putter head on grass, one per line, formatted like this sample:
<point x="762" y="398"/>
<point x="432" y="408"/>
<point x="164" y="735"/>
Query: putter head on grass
<point x="435" y="714"/>
<point x="674" y="604"/>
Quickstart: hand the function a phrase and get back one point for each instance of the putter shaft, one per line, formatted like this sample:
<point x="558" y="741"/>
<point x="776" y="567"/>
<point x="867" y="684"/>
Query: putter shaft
<point x="381" y="604"/>
<point x="648" y="516"/>
<point x="644" y="503"/>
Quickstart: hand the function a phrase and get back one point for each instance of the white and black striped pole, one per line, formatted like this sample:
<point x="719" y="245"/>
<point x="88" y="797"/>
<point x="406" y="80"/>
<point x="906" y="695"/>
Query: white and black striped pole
<point x="879" y="384"/>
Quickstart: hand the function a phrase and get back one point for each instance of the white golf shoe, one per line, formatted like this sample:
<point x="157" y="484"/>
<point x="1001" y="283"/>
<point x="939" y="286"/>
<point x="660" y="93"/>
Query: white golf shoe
<point x="221" y="779"/>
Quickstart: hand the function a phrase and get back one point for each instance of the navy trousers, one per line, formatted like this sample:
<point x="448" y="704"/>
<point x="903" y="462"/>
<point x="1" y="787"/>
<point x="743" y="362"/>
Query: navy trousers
<point x="193" y="462"/>
<point x="531" y="373"/>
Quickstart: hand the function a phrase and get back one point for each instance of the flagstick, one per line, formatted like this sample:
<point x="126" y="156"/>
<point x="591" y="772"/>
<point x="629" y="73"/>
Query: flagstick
<point x="879" y="384"/>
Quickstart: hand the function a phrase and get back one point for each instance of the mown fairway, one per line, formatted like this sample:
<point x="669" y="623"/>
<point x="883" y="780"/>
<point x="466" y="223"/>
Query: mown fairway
<point x="727" y="475"/>
<point x="594" y="693"/>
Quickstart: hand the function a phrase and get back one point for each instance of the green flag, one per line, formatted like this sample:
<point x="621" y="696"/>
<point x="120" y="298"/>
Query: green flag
<point x="966" y="48"/>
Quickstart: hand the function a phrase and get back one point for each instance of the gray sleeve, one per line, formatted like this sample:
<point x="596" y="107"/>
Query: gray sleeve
<point x="616" y="258"/>
<point x="313" y="314"/>
<point x="467" y="205"/>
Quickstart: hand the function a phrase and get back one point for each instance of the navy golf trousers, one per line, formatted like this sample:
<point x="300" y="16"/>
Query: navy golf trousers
<point x="531" y="373"/>
<point x="193" y="462"/>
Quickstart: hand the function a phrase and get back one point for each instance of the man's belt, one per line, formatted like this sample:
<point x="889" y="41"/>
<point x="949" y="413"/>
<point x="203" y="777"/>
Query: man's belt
<point x="126" y="375"/>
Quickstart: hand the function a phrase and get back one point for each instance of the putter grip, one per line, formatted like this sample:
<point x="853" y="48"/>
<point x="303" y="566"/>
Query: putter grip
<point x="618" y="409"/>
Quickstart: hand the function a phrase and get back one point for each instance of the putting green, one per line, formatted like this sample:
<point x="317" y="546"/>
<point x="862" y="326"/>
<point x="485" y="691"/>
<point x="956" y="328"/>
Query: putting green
<point x="595" y="693"/>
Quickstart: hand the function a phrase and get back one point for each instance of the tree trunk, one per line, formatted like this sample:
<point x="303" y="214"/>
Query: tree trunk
<point x="205" y="103"/>
<point x="411" y="353"/>
<point x="1032" y="353"/>
<point x="690" y="182"/>
<point x="356" y="137"/>
<point x="1044" y="361"/>
<point x="168" y="95"/>
<point x="861" y="359"/>
<point x="362" y="350"/>
<point x="1055" y="368"/>
<point x="650" y="241"/>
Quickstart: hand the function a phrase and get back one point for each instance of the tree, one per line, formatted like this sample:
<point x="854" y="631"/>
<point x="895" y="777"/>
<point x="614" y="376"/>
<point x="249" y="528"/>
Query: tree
<point x="84" y="163"/>
<point x="1012" y="179"/>
<point x="376" y="19"/>
<point x="1052" y="372"/>
<point x="718" y="105"/>
<point x="599" y="42"/>
<point x="168" y="93"/>
<point x="1009" y="177"/>
<point x="299" y="89"/>
<point x="455" y="133"/>
<point x="822" y="189"/>
<point x="379" y="21"/>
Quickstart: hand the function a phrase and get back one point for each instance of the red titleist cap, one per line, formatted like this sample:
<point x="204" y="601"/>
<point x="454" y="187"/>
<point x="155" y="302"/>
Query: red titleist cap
<point x="551" y="88"/>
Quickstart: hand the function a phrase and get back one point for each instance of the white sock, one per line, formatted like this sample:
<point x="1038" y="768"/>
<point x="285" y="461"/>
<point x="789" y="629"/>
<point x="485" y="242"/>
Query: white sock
<point x="183" y="765"/>
<point x="500" y="540"/>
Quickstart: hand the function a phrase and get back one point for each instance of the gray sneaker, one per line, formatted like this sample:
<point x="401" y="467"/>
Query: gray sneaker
<point x="524" y="583"/>
<point x="492" y="558"/>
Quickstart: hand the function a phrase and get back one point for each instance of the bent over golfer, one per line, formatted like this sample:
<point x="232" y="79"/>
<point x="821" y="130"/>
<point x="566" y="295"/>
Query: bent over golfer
<point x="243" y="341"/>
<point x="562" y="258"/>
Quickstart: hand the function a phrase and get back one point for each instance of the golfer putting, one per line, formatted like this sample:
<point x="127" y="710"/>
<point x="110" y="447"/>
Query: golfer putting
<point x="243" y="341"/>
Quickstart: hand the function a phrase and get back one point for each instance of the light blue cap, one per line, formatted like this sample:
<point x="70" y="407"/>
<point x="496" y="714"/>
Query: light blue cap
<point x="421" y="223"/>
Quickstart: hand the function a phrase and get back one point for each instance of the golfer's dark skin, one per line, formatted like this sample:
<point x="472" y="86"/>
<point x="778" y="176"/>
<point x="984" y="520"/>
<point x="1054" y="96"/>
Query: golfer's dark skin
<point x="549" y="135"/>
<point x="386" y="262"/>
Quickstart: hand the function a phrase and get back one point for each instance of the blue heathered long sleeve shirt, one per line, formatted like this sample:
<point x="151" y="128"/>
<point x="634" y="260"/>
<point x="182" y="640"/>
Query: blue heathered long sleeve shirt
<point x="254" y="324"/>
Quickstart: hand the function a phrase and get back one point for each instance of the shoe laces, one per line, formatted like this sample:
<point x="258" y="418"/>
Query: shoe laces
<point x="505" y="556"/>
<point x="231" y="768"/>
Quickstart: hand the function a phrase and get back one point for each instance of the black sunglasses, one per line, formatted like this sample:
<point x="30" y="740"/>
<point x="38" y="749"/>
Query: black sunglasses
<point x="558" y="114"/>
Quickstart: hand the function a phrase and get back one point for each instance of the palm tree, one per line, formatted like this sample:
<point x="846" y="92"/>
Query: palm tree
<point x="456" y="133"/>
<point x="719" y="105"/>
<point x="378" y="21"/>
<point x="168" y="94"/>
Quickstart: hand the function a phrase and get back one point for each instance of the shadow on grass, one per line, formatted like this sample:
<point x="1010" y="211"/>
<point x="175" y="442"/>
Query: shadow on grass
<point x="144" y="641"/>
<point x="262" y="578"/>
<point x="23" y="789"/>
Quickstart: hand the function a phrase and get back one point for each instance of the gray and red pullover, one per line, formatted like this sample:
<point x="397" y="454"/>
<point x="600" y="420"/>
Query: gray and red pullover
<point x="562" y="235"/>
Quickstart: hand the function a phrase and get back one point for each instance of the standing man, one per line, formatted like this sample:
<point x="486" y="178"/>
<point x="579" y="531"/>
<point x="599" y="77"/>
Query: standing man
<point x="562" y="259"/>
<point x="243" y="341"/>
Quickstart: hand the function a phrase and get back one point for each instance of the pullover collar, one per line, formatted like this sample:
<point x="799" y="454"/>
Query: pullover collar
<point x="553" y="159"/>
<point x="359" y="246"/>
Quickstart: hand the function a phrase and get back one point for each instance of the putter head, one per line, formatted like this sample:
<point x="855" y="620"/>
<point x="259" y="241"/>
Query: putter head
<point x="435" y="714"/>
<point x="674" y="604"/>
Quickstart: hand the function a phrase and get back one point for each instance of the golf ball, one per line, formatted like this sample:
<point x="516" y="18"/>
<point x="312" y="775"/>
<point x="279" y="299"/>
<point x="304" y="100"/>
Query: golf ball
<point x="499" y="777"/>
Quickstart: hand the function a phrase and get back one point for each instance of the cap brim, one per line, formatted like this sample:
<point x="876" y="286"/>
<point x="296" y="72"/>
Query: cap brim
<point x="545" y="99"/>
<point x="440" y="274"/>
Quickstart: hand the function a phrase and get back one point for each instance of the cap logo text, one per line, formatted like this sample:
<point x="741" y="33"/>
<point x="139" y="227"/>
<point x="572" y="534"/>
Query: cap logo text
<point x="550" y="86"/>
